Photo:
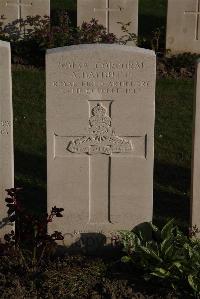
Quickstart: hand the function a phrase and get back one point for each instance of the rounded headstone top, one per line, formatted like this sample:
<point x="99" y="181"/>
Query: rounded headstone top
<point x="108" y="47"/>
<point x="4" y="44"/>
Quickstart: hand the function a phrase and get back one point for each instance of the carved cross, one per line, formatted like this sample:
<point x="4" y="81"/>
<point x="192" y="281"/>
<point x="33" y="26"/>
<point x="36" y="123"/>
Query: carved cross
<point x="100" y="144"/>
<point x="19" y="5"/>
<point x="108" y="10"/>
<point x="196" y="13"/>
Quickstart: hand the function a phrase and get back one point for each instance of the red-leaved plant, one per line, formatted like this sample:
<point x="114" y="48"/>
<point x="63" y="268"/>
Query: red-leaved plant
<point x="30" y="242"/>
<point x="36" y="34"/>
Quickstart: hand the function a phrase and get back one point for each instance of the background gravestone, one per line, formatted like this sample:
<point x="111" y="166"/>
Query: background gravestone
<point x="20" y="9"/>
<point x="109" y="13"/>
<point x="195" y="203"/>
<point x="183" y="26"/>
<point x="6" y="132"/>
<point x="100" y="136"/>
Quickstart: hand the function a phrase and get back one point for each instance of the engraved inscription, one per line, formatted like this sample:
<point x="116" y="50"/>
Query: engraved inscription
<point x="101" y="144"/>
<point x="131" y="65"/>
<point x="5" y="127"/>
<point x="107" y="77"/>
<point x="101" y="138"/>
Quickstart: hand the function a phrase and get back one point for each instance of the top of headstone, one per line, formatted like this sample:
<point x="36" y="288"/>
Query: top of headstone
<point x="4" y="44"/>
<point x="98" y="46"/>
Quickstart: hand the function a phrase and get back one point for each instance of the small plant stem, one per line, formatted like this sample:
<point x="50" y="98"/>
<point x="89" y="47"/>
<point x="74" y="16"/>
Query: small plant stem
<point x="34" y="249"/>
<point x="42" y="254"/>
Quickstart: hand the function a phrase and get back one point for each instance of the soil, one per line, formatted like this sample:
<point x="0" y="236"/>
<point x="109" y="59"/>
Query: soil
<point x="77" y="276"/>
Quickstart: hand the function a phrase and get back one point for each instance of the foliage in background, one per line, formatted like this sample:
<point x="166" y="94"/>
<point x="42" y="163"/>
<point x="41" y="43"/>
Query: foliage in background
<point x="31" y="37"/>
<point x="167" y="258"/>
<point x="36" y="35"/>
<point x="178" y="66"/>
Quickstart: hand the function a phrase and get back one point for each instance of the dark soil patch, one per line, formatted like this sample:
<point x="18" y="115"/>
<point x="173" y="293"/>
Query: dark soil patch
<point x="76" y="277"/>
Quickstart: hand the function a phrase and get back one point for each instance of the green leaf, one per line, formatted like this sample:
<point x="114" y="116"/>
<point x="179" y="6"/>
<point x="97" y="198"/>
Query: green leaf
<point x="151" y="253"/>
<point x="192" y="283"/>
<point x="178" y="265"/>
<point x="167" y="229"/>
<point x="126" y="259"/>
<point x="129" y="240"/>
<point x="156" y="231"/>
<point x="154" y="228"/>
<point x="166" y="244"/>
<point x="170" y="252"/>
<point x="160" y="272"/>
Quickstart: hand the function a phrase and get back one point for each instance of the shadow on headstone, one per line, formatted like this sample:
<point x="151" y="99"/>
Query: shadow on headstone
<point x="89" y="242"/>
<point x="98" y="244"/>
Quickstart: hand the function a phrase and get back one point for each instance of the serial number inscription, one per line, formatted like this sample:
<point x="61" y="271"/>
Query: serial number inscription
<point x="131" y="65"/>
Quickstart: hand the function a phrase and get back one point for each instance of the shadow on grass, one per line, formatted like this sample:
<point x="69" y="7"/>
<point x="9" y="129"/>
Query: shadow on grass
<point x="147" y="27"/>
<point x="148" y="23"/>
<point x="171" y="193"/>
<point x="31" y="174"/>
<point x="173" y="176"/>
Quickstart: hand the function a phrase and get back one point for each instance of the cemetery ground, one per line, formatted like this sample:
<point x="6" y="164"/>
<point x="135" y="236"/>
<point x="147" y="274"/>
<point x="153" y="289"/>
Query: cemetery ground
<point x="80" y="276"/>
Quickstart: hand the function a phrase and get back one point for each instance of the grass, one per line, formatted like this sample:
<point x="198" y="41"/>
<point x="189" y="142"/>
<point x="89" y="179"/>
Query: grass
<point x="173" y="146"/>
<point x="30" y="135"/>
<point x="173" y="139"/>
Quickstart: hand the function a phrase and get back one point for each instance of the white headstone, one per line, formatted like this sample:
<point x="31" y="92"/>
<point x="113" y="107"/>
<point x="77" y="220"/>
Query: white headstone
<point x="183" y="26"/>
<point x="195" y="202"/>
<point x="109" y="13"/>
<point x="100" y="136"/>
<point x="20" y="9"/>
<point x="6" y="133"/>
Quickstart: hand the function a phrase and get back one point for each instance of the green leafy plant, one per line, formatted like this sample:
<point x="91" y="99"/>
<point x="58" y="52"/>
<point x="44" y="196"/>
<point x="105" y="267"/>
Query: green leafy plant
<point x="169" y="257"/>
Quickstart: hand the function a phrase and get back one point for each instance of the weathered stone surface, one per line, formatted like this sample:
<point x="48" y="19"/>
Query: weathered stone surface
<point x="183" y="26"/>
<point x="6" y="133"/>
<point x="20" y="9"/>
<point x="109" y="13"/>
<point x="195" y="201"/>
<point x="100" y="136"/>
